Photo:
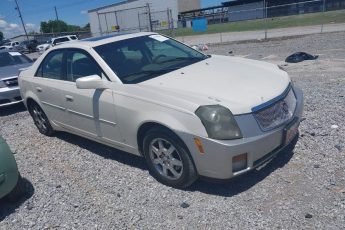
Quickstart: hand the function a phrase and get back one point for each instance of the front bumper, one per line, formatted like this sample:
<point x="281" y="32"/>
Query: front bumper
<point x="9" y="96"/>
<point x="260" y="147"/>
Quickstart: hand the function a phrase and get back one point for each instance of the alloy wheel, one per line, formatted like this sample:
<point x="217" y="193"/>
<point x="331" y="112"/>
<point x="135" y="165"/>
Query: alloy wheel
<point x="166" y="159"/>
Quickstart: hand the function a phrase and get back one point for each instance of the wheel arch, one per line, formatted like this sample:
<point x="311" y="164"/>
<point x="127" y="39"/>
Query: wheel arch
<point x="146" y="126"/>
<point x="29" y="101"/>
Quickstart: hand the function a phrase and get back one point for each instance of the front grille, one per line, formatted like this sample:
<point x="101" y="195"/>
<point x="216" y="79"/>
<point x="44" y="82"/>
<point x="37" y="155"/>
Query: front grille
<point x="11" y="82"/>
<point x="278" y="113"/>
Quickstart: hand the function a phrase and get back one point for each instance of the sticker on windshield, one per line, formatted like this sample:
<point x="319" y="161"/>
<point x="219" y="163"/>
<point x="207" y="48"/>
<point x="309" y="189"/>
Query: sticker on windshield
<point x="159" y="38"/>
<point x="14" y="53"/>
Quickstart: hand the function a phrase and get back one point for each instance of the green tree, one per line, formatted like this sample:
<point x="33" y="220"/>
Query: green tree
<point x="71" y="28"/>
<point x="1" y="36"/>
<point x="54" y="26"/>
<point x="86" y="27"/>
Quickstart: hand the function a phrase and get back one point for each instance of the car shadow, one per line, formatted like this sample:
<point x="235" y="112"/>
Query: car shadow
<point x="224" y="188"/>
<point x="12" y="109"/>
<point x="103" y="150"/>
<point x="7" y="207"/>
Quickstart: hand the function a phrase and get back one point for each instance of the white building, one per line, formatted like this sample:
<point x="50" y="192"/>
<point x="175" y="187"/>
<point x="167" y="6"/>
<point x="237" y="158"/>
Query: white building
<point x="138" y="15"/>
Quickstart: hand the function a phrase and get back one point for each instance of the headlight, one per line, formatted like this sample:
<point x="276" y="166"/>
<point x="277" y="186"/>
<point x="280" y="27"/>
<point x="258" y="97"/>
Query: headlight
<point x="219" y="122"/>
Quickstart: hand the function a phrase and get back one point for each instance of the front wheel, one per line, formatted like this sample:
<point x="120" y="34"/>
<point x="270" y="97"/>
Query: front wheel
<point x="168" y="159"/>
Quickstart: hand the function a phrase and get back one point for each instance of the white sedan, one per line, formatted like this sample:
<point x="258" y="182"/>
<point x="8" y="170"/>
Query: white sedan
<point x="188" y="114"/>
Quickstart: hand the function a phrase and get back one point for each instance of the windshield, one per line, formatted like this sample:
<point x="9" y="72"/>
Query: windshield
<point x="142" y="58"/>
<point x="13" y="58"/>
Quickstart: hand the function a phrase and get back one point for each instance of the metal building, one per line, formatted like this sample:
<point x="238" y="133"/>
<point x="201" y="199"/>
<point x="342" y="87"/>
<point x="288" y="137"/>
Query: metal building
<point x="138" y="15"/>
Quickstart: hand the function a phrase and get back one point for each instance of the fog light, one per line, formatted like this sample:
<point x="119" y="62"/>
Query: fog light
<point x="239" y="162"/>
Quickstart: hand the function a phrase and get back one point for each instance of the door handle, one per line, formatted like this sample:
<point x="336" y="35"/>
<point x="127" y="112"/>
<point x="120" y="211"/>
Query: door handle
<point x="39" y="89"/>
<point x="69" y="98"/>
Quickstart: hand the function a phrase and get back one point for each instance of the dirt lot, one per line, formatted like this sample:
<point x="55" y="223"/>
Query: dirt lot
<point x="73" y="183"/>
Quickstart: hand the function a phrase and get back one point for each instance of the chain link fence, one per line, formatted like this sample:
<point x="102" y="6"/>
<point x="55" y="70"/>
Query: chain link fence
<point x="124" y="20"/>
<point x="261" y="21"/>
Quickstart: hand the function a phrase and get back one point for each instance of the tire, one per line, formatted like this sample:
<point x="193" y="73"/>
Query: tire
<point x="40" y="119"/>
<point x="168" y="159"/>
<point x="18" y="192"/>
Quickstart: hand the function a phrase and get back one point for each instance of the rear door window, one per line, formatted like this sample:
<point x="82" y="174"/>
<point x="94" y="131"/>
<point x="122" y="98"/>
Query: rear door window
<point x="52" y="66"/>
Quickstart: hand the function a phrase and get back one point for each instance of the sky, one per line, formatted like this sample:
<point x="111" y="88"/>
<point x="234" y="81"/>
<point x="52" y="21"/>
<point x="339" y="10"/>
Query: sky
<point x="34" y="11"/>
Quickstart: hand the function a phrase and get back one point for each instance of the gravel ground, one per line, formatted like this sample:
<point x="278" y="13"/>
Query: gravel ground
<point x="74" y="183"/>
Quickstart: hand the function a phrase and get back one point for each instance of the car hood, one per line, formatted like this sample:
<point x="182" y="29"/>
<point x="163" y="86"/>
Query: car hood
<point x="237" y="83"/>
<point x="12" y="70"/>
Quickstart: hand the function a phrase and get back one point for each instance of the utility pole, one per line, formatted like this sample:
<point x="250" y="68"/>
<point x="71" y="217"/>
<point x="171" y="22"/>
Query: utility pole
<point x="21" y="18"/>
<point x="150" y="19"/>
<point x="56" y="14"/>
<point x="323" y="12"/>
<point x="57" y="19"/>
<point x="265" y="12"/>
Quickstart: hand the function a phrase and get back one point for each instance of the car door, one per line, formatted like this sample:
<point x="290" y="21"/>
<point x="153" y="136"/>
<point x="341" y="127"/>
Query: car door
<point x="47" y="84"/>
<point x="91" y="111"/>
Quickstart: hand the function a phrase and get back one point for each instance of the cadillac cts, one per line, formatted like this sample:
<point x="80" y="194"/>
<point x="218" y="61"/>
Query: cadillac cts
<point x="188" y="114"/>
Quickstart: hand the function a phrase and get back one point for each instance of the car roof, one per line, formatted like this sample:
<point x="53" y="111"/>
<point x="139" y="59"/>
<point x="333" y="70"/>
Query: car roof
<point x="65" y="36"/>
<point x="101" y="40"/>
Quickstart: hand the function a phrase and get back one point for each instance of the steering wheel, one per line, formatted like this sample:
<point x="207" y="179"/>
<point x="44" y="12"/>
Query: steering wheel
<point x="158" y="57"/>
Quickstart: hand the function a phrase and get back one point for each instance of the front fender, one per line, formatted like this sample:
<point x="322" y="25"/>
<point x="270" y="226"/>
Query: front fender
<point x="132" y="114"/>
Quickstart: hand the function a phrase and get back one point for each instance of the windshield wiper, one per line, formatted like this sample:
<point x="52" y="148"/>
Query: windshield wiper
<point x="183" y="58"/>
<point x="151" y="72"/>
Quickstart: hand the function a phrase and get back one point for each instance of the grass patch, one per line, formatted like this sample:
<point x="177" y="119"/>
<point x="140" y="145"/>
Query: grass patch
<point x="272" y="23"/>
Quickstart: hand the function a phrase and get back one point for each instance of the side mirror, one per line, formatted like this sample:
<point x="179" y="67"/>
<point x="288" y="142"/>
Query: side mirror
<point x="90" y="82"/>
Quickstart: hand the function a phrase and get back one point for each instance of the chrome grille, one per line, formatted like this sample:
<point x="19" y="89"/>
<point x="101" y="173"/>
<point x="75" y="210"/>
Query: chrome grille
<point x="278" y="113"/>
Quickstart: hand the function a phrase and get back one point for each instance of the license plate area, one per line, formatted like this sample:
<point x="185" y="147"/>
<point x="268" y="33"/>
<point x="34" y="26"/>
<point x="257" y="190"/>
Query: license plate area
<point x="290" y="132"/>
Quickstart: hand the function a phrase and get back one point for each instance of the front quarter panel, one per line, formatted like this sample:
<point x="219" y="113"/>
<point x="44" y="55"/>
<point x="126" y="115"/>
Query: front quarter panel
<point x="133" y="112"/>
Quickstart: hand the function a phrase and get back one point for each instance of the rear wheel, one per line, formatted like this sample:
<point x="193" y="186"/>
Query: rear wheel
<point x="168" y="159"/>
<point x="40" y="119"/>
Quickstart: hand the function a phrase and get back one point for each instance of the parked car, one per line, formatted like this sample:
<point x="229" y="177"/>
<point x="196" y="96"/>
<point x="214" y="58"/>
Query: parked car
<point x="55" y="41"/>
<point x="10" y="184"/>
<point x="43" y="47"/>
<point x="28" y="46"/>
<point x="4" y="41"/>
<point x="188" y="114"/>
<point x="9" y="46"/>
<point x="10" y="64"/>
